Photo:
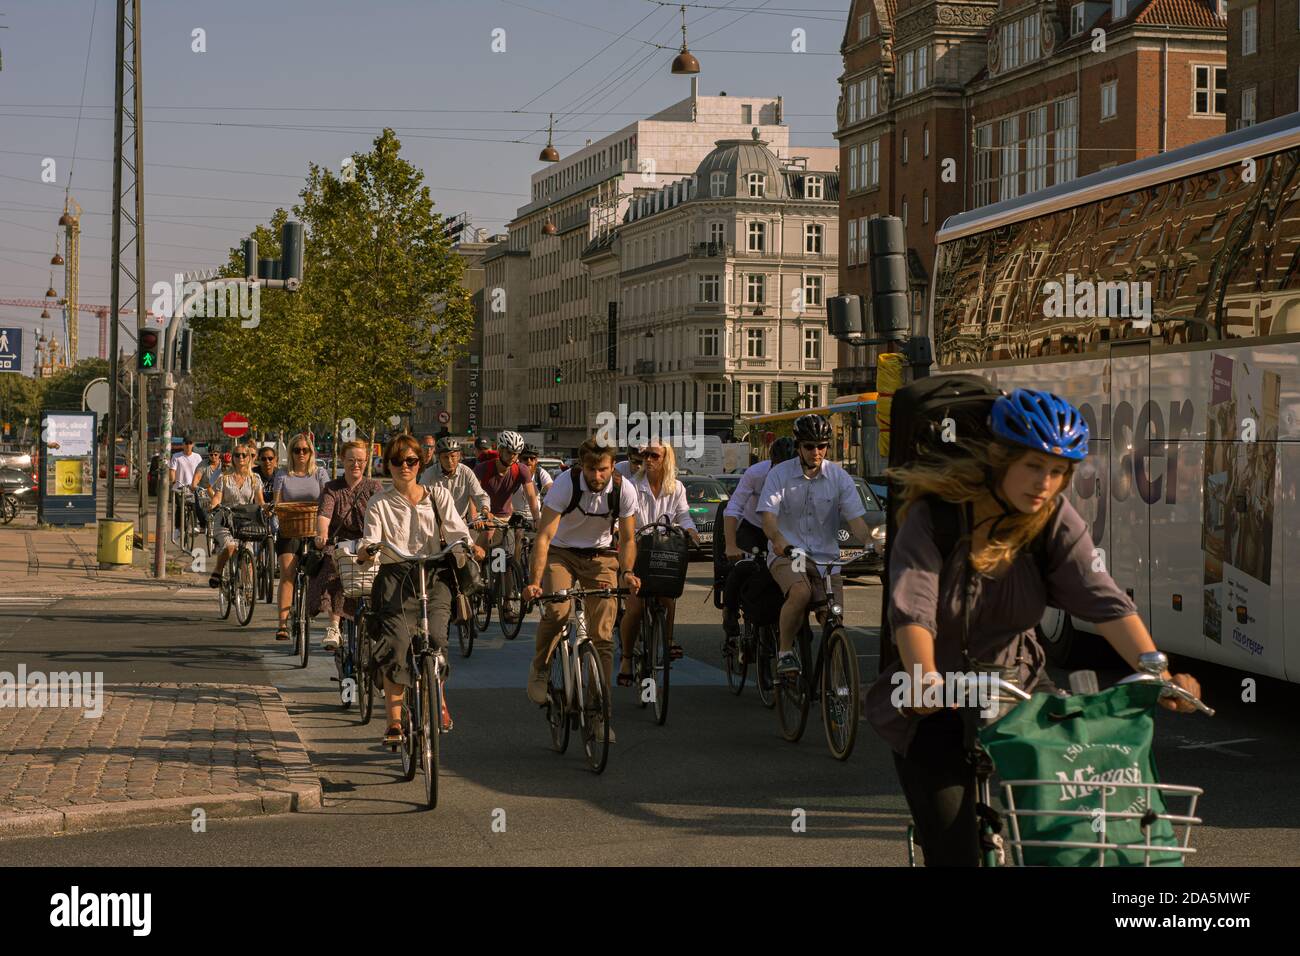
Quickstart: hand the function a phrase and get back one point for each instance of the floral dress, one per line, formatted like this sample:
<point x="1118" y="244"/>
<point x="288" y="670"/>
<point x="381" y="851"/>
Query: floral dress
<point x="346" y="509"/>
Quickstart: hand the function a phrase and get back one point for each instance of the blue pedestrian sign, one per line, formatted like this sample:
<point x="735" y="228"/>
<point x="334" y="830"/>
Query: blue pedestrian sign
<point x="11" y="350"/>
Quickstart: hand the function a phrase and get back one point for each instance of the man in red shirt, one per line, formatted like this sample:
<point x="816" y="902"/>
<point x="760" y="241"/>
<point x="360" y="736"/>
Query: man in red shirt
<point x="501" y="477"/>
<point x="483" y="452"/>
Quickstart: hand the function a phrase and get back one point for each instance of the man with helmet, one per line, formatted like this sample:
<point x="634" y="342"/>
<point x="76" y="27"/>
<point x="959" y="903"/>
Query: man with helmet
<point x="459" y="479"/>
<point x="482" y="451"/>
<point x="742" y="526"/>
<point x="502" y="477"/>
<point x="801" y="505"/>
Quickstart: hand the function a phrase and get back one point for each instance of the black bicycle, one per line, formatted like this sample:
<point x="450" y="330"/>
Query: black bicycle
<point x="504" y="580"/>
<point x="238" y="588"/>
<point x="299" y="620"/>
<point x="756" y="644"/>
<point x="832" y="679"/>
<point x="353" y="656"/>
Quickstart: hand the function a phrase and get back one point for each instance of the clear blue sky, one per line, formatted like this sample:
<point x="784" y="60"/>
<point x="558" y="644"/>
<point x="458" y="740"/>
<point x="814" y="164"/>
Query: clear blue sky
<point x="288" y="82"/>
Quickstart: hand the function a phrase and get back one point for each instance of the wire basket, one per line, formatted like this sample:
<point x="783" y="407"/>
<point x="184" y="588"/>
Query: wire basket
<point x="356" y="580"/>
<point x="248" y="527"/>
<point x="297" y="519"/>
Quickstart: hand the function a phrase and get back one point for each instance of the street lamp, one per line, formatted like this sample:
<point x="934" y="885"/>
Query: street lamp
<point x="549" y="153"/>
<point x="685" y="63"/>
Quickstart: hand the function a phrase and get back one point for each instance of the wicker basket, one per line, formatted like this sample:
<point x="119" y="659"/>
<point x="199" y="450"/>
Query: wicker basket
<point x="356" y="580"/>
<point x="297" y="519"/>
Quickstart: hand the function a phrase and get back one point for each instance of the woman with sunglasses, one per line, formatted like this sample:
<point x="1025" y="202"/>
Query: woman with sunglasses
<point x="342" y="517"/>
<point x="303" y="481"/>
<point x="205" y="481"/>
<point x="240" y="487"/>
<point x="658" y="493"/>
<point x="413" y="519"/>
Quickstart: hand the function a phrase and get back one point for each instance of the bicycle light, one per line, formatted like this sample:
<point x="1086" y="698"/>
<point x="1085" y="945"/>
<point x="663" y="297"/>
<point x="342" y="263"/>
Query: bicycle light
<point x="837" y="610"/>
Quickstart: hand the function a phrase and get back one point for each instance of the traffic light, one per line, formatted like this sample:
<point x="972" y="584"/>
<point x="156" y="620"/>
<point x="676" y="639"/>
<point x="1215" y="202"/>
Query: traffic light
<point x="559" y="375"/>
<point x="887" y="251"/>
<point x="469" y="431"/>
<point x="184" y="351"/>
<point x="146" y="355"/>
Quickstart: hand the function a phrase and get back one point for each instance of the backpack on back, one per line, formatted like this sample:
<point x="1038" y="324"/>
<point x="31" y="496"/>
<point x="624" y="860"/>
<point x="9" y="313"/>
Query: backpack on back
<point x="575" y="473"/>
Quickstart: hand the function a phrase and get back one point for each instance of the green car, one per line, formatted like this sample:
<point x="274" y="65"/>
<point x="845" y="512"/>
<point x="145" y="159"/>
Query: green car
<point x="703" y="495"/>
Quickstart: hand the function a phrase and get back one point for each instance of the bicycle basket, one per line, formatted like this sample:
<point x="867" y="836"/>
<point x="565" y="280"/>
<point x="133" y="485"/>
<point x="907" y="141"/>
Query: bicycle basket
<point x="1079" y="783"/>
<point x="297" y="519"/>
<point x="248" y="526"/>
<point x="356" y="580"/>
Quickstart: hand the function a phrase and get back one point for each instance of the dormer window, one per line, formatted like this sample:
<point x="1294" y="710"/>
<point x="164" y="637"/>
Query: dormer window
<point x="1076" y="19"/>
<point x="717" y="185"/>
<point x="1118" y="9"/>
<point x="864" y="26"/>
<point x="812" y="187"/>
<point x="757" y="185"/>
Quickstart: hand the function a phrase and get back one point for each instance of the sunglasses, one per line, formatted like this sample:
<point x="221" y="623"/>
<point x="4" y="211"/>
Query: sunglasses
<point x="302" y="451"/>
<point x="409" y="462"/>
<point x="267" y="458"/>
<point x="652" y="456"/>
<point x="810" y="446"/>
<point x="239" y="454"/>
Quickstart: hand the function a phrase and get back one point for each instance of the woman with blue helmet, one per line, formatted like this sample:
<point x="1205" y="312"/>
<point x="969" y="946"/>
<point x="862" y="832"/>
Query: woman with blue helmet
<point x="977" y="607"/>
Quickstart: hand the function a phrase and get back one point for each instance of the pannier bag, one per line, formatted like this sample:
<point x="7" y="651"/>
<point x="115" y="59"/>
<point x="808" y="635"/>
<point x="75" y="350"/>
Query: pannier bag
<point x="760" y="596"/>
<point x="662" y="553"/>
<point x="1090" y="747"/>
<point x="247" y="523"/>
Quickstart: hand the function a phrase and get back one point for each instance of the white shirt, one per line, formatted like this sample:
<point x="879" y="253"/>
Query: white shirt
<point x="541" y="481"/>
<point x="463" y="485"/>
<point x="651" y="507"/>
<point x="624" y="468"/>
<point x="412" y="529"/>
<point x="744" y="500"/>
<point x="809" y="510"/>
<point x="592" y="528"/>
<point x="185" y="466"/>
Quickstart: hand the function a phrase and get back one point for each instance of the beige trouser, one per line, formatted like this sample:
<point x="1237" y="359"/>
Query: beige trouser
<point x="563" y="568"/>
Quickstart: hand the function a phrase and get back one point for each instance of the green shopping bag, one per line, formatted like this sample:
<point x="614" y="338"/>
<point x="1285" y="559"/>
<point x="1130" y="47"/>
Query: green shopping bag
<point x="1087" y="744"/>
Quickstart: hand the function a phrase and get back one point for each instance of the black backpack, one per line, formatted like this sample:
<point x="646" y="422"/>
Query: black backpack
<point x="575" y="473"/>
<point x="916" y="429"/>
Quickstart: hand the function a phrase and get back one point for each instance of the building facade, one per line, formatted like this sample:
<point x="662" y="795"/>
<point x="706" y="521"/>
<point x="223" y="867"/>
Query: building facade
<point x="946" y="106"/>
<point x="1263" y="60"/>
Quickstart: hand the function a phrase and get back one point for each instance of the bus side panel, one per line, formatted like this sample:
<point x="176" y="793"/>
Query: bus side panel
<point x="1287" y="626"/>
<point x="1129" y="557"/>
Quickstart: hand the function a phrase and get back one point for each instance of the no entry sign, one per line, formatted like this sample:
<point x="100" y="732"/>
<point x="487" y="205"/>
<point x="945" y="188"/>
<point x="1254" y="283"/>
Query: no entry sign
<point x="234" y="425"/>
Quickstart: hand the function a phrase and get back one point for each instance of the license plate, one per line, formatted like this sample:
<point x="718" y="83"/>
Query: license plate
<point x="706" y="537"/>
<point x="853" y="554"/>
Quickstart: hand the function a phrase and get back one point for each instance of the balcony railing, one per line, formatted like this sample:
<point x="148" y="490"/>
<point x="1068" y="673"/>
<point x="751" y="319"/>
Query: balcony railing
<point x="702" y="250"/>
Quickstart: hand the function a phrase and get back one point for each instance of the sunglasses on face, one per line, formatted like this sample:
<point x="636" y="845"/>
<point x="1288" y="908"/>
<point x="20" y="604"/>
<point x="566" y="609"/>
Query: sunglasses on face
<point x="302" y="451"/>
<point x="268" y="458"/>
<point x="652" y="456"/>
<point x="810" y="446"/>
<point x="239" y="454"/>
<point x="410" y="462"/>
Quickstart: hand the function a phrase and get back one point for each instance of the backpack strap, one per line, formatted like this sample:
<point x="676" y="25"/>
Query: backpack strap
<point x="575" y="475"/>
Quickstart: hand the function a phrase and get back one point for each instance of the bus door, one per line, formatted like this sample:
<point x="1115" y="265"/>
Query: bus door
<point x="1129" y="560"/>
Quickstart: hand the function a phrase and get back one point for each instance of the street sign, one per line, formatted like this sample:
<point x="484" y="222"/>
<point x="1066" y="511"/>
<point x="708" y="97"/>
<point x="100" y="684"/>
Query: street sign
<point x="234" y="425"/>
<point x="96" y="397"/>
<point x="11" y="350"/>
<point x="444" y="417"/>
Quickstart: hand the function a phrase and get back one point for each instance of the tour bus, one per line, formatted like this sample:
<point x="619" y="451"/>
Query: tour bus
<point x="854" y="432"/>
<point x="1163" y="298"/>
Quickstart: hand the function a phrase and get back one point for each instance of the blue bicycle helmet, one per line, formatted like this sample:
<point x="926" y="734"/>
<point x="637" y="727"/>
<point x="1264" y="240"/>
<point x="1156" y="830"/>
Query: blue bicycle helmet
<point x="1041" y="421"/>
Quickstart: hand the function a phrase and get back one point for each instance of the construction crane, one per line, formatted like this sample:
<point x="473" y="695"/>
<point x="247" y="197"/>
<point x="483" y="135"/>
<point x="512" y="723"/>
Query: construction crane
<point x="71" y="221"/>
<point x="99" y="310"/>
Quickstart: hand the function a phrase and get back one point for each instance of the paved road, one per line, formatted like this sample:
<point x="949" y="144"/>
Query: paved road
<point x="714" y="786"/>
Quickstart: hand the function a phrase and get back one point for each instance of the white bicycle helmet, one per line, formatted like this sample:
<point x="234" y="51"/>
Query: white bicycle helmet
<point x="510" y="441"/>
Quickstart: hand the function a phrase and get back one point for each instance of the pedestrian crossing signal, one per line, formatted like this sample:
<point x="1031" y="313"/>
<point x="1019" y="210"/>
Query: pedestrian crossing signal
<point x="559" y="375"/>
<point x="147" y="353"/>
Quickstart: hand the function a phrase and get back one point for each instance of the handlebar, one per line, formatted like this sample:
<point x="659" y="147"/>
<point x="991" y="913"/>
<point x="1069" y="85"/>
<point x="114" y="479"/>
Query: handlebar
<point x="1151" y="665"/>
<point x="565" y="594"/>
<point x="370" y="550"/>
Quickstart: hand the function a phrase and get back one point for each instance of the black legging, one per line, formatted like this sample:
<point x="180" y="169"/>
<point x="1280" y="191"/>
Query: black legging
<point x="939" y="785"/>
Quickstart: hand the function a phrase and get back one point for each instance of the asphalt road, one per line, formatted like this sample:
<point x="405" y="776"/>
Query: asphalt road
<point x="716" y="785"/>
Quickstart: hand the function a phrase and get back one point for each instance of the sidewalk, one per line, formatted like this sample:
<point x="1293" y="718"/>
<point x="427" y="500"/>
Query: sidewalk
<point x="156" y="754"/>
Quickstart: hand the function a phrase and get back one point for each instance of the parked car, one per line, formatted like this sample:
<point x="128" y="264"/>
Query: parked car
<point x="870" y="554"/>
<point x="121" y="469"/>
<point x="728" y="482"/>
<point x="19" y="483"/>
<point x="553" y="466"/>
<point x="703" y="494"/>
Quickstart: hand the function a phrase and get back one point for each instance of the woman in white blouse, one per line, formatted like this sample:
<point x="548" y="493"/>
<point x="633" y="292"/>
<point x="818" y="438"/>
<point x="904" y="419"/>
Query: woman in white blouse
<point x="407" y="518"/>
<point x="658" y="493"/>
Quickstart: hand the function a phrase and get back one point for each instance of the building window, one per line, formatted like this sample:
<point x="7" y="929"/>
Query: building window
<point x="754" y="343"/>
<point x="853" y="242"/>
<point x="1067" y="140"/>
<point x="715" y="395"/>
<point x="1210" y="96"/>
<point x="1009" y="181"/>
<point x="864" y="26"/>
<point x="853" y="103"/>
<point x="755" y="286"/>
<point x="754" y="398"/>
<point x="1010" y="45"/>
<point x="983" y="165"/>
<point x="925" y="141"/>
<point x="922" y="67"/>
<point x="1118" y="9"/>
<point x="1249" y="29"/>
<point x="873" y="95"/>
<point x="925" y="207"/>
<point x="1221" y="7"/>
<point x="746" y="113"/>
<point x="1029" y="30"/>
<point x="1109" y="99"/>
<point x="872" y="153"/>
<point x="1036" y="149"/>
<point x="812" y="345"/>
<point x="909" y="64"/>
<point x="757" y="185"/>
<point x="853" y="168"/>
<point x="813" y="393"/>
<point x="904" y="149"/>
<point x="757" y="234"/>
<point x="717" y="233"/>
<point x="709" y="342"/>
<point x="1247" y="108"/>
<point x="812" y="291"/>
<point x="1076" y="19"/>
<point x="813" y="187"/>
<point x="717" y="184"/>
<point x="710" y="288"/>
<point x="812" y="238"/>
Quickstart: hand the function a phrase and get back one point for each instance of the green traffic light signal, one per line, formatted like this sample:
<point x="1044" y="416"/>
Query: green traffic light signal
<point x="559" y="375"/>
<point x="147" y="353"/>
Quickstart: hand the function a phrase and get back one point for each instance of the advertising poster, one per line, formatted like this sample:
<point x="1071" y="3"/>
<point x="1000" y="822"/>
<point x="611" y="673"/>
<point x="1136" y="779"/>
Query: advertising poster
<point x="67" y="481"/>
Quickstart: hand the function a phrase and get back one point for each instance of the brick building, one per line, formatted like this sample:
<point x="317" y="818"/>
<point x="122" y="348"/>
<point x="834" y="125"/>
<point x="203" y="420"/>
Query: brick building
<point x="946" y="106"/>
<point x="1263" y="60"/>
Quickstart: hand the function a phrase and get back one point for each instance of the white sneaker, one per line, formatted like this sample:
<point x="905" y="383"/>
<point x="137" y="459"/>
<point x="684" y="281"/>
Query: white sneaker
<point x="332" y="638"/>
<point x="598" y="729"/>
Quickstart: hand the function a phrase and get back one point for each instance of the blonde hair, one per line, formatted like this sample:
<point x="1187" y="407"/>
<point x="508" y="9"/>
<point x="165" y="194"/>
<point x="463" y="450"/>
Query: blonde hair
<point x="249" y="461"/>
<point x="311" y="460"/>
<point x="973" y="477"/>
<point x="668" y="467"/>
<point x="355" y="445"/>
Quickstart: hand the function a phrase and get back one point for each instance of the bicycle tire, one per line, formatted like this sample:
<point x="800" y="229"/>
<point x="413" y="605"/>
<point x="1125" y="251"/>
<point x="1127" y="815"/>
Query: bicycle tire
<point x="365" y="681"/>
<point x="245" y="587"/>
<point x="465" y="636"/>
<point x="301" y="622"/>
<point x="512" y="596"/>
<point x="792" y="701"/>
<point x="483" y="606"/>
<point x="595" y="707"/>
<point x="765" y="665"/>
<point x="225" y="591"/>
<point x="409" y="731"/>
<point x="661" y="664"/>
<point x="557" y="715"/>
<point x="345" y="663"/>
<point x="841" y="705"/>
<point x="735" y="661"/>
<point x="8" y="509"/>
<point x="268" y="568"/>
<point x="430" y="730"/>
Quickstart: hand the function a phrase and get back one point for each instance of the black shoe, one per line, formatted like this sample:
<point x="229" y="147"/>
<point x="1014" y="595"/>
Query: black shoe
<point x="730" y="622"/>
<point x="787" y="665"/>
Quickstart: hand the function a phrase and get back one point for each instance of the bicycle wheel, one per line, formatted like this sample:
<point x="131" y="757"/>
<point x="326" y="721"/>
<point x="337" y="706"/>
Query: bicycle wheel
<point x="841" y="690"/>
<point x="735" y="659"/>
<point x="660" y="664"/>
<point x="430" y="730"/>
<point x="641" y="670"/>
<point x="365" y="681"/>
<point x="765" y="664"/>
<point x="792" y="701"/>
<point x="410" y="731"/>
<point x="227" y="589"/>
<point x="465" y="636"/>
<point x="8" y="508"/>
<point x="345" y="662"/>
<point x="302" y="623"/>
<point x="595" y="708"/>
<point x="483" y="604"/>
<point x="268" y="569"/>
<point x="557" y="715"/>
<point x="512" y="598"/>
<point x="245" y="586"/>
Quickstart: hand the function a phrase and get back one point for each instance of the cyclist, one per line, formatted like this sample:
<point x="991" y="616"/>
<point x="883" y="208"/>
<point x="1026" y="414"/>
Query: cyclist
<point x="240" y="487"/>
<point x="227" y="463"/>
<point x="205" y="479"/>
<point x="501" y="478"/>
<point x="406" y="517"/>
<point x="1011" y="486"/>
<point x="483" y="451"/>
<point x="743" y="527"/>
<point x="342" y="517"/>
<point x="802" y="503"/>
<point x="181" y="469"/>
<point x="575" y="545"/>
<point x="268" y="465"/>
<point x="428" y="446"/>
<point x="631" y="466"/>
<point x="304" y="480"/>
<point x="658" y="493"/>
<point x="459" y="479"/>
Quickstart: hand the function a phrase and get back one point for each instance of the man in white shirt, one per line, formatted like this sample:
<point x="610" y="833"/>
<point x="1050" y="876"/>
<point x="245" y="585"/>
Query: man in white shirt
<point x="182" y="468"/>
<point x="575" y="546"/>
<point x="802" y="503"/>
<point x="449" y="472"/>
<point x="631" y="466"/>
